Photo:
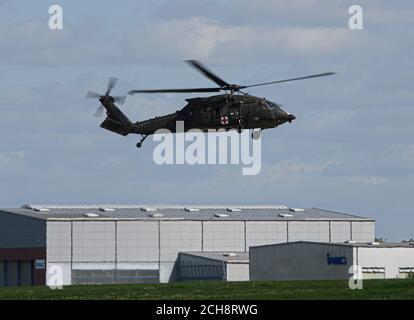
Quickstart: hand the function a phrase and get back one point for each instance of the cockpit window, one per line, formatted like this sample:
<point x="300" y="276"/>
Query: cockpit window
<point x="263" y="103"/>
<point x="274" y="105"/>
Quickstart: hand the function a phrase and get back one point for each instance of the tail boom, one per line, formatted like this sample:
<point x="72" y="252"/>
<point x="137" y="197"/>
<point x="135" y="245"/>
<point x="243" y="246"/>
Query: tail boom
<point x="116" y="121"/>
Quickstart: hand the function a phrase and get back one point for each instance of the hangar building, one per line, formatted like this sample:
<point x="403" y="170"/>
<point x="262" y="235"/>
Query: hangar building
<point x="226" y="266"/>
<point x="327" y="261"/>
<point x="139" y="243"/>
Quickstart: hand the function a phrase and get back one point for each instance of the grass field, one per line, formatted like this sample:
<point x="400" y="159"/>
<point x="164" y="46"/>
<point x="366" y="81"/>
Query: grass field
<point x="373" y="289"/>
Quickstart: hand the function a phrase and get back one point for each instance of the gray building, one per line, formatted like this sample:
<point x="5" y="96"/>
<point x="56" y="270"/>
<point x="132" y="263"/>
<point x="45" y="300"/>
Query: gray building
<point x="139" y="243"/>
<point x="226" y="266"/>
<point x="327" y="261"/>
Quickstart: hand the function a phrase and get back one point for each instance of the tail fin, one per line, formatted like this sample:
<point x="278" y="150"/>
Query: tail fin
<point x="116" y="121"/>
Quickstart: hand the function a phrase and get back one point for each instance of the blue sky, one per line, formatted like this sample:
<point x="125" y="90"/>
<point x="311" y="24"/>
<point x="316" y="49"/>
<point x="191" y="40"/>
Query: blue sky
<point x="351" y="148"/>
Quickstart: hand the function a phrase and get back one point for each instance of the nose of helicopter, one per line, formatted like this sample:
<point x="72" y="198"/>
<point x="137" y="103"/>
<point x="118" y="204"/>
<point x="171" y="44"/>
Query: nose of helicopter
<point x="291" y="117"/>
<point x="281" y="116"/>
<point x="284" y="116"/>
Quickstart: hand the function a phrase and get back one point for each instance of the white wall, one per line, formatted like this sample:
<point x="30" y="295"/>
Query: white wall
<point x="158" y="242"/>
<point x="137" y="266"/>
<point x="167" y="272"/>
<point x="389" y="258"/>
<point x="265" y="232"/>
<point x="93" y="241"/>
<point x="223" y="236"/>
<point x="93" y="266"/>
<point x="340" y="231"/>
<point x="176" y="236"/>
<point x="58" y="241"/>
<point x="237" y="272"/>
<point x="363" y="231"/>
<point x="137" y="241"/>
<point x="309" y="231"/>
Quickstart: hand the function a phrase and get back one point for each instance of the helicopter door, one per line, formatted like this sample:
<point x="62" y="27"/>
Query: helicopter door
<point x="206" y="116"/>
<point x="223" y="115"/>
<point x="236" y="112"/>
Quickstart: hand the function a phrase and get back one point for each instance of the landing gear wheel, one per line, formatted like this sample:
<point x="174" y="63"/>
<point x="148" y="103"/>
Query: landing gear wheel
<point x="143" y="137"/>
<point x="256" y="134"/>
<point x="240" y="127"/>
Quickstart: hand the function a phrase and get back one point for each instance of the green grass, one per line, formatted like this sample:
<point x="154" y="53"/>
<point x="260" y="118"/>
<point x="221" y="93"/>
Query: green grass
<point x="373" y="289"/>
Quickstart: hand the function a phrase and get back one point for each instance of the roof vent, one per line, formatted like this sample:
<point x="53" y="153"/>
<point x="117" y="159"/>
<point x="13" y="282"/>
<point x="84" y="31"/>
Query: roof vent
<point x="234" y="210"/>
<point x="91" y="215"/>
<point x="146" y="209"/>
<point x="285" y="215"/>
<point x="106" y="209"/>
<point x="156" y="215"/>
<point x="221" y="215"/>
<point x="230" y="254"/>
<point x="296" y="209"/>
<point x="191" y="209"/>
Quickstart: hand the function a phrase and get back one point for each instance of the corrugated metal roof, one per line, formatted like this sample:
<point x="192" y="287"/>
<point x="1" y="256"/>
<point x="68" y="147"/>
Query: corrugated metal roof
<point x="174" y="212"/>
<point x="39" y="207"/>
<point x="345" y="244"/>
<point x="227" y="256"/>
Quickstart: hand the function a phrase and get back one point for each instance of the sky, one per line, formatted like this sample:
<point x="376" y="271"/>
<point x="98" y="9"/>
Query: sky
<point x="351" y="148"/>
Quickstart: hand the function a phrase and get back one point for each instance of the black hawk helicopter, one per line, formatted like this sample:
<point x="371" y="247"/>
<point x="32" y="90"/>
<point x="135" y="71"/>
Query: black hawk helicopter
<point x="235" y="109"/>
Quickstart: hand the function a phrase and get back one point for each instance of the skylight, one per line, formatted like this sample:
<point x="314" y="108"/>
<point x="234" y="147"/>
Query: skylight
<point x="221" y="215"/>
<point x="234" y="210"/>
<point x="91" y="215"/>
<point x="285" y="215"/>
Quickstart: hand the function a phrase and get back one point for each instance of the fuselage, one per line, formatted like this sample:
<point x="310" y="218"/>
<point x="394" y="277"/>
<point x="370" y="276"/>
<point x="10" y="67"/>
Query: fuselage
<point x="220" y="112"/>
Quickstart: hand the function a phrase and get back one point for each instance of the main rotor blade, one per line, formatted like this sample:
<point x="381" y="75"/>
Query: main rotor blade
<point x="176" y="90"/>
<point x="92" y="95"/>
<point x="293" y="79"/>
<point x="120" y="99"/>
<point x="199" y="66"/>
<point x="111" y="84"/>
<point x="99" y="112"/>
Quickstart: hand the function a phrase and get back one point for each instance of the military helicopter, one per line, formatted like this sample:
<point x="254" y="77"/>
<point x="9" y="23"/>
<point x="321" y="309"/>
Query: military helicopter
<point x="235" y="109"/>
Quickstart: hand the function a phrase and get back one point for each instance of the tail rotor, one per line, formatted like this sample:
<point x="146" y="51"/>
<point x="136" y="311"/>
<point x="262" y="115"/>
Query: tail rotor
<point x="106" y="98"/>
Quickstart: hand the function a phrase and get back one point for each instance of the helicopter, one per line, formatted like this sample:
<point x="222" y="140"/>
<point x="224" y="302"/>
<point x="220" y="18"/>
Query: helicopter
<point x="235" y="109"/>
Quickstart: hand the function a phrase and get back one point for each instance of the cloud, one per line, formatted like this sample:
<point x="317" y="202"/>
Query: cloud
<point x="11" y="160"/>
<point x="7" y="5"/>
<point x="283" y="174"/>
<point x="288" y="168"/>
<point x="208" y="39"/>
<point x="328" y="120"/>
<point x="303" y="13"/>
<point x="32" y="43"/>
<point x="261" y="12"/>
<point x="368" y="180"/>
